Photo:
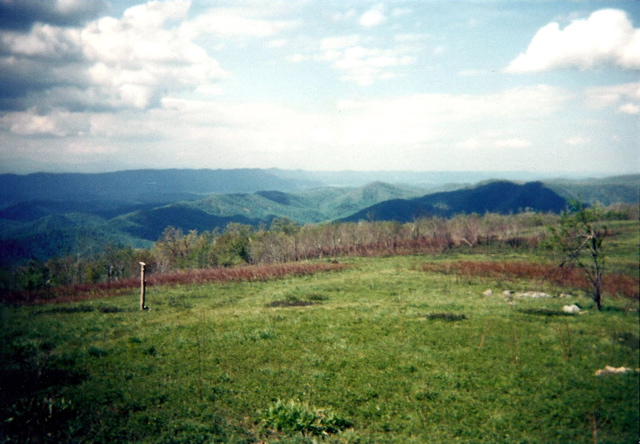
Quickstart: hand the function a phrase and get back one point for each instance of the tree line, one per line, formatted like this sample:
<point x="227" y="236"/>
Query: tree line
<point x="286" y="241"/>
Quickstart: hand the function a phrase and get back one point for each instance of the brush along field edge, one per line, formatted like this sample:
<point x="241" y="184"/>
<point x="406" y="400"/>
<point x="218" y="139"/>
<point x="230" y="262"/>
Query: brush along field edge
<point x="251" y="273"/>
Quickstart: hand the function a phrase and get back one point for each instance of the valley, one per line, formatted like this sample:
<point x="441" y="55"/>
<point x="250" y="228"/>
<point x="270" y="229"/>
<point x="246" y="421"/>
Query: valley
<point x="48" y="215"/>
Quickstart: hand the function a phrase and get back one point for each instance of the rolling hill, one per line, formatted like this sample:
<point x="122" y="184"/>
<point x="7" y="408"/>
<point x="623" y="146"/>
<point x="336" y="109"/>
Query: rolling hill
<point x="41" y="229"/>
<point x="43" y="215"/>
<point x="495" y="197"/>
<point x="216" y="211"/>
<point x="140" y="186"/>
<point x="606" y="191"/>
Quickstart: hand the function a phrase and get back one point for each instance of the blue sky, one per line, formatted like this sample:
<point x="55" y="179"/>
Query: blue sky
<point x="539" y="86"/>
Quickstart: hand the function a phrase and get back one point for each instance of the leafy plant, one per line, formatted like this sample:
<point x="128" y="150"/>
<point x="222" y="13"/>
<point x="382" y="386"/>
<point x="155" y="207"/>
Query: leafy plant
<point x="580" y="238"/>
<point x="446" y="316"/>
<point x="293" y="417"/>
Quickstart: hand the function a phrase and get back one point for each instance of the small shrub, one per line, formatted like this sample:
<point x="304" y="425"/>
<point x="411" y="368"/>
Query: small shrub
<point x="544" y="312"/>
<point x="290" y="303"/>
<point x="66" y="310"/>
<point x="96" y="352"/>
<point x="262" y="334"/>
<point x="292" y="418"/>
<point x="110" y="309"/>
<point x="446" y="317"/>
<point x="628" y="340"/>
<point x="317" y="297"/>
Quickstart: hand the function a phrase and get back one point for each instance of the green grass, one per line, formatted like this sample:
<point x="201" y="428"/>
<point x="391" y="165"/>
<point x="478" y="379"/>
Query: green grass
<point x="384" y="351"/>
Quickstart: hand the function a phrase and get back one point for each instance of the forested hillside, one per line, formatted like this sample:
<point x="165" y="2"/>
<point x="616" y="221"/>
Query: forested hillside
<point x="140" y="185"/>
<point x="47" y="215"/>
<point x="43" y="229"/>
<point x="495" y="197"/>
<point x="607" y="191"/>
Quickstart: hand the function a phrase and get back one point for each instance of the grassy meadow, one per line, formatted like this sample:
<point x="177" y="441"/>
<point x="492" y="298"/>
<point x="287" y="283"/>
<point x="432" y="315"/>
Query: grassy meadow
<point x="387" y="349"/>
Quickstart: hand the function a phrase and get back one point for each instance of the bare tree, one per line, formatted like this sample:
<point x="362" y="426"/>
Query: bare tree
<point x="580" y="237"/>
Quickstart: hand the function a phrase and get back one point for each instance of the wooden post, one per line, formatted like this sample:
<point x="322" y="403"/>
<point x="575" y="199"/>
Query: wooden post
<point x="143" y="286"/>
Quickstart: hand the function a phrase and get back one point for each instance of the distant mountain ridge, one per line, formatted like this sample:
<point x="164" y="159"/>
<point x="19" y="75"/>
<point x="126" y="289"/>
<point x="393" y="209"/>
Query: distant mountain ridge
<point x="43" y="229"/>
<point x="217" y="210"/>
<point x="140" y="185"/>
<point x="496" y="197"/>
<point x="172" y="185"/>
<point x="43" y="215"/>
<point x="606" y="191"/>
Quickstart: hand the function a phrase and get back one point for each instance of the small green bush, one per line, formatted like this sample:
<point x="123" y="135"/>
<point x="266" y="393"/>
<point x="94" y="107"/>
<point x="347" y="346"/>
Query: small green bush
<point x="545" y="312"/>
<point x="290" y="303"/>
<point x="446" y="317"/>
<point x="292" y="418"/>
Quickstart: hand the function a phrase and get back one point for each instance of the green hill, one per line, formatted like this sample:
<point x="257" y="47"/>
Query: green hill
<point x="41" y="229"/>
<point x="43" y="215"/>
<point x="606" y="191"/>
<point x="217" y="210"/>
<point x="495" y="197"/>
<point x="138" y="186"/>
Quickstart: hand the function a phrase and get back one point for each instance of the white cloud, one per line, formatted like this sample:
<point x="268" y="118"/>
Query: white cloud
<point x="340" y="16"/>
<point x="577" y="140"/>
<point x="629" y="108"/>
<point x="365" y="128"/>
<point x="439" y="50"/>
<point x="363" y="65"/>
<point x="30" y="125"/>
<point x="423" y="130"/>
<point x="513" y="143"/>
<point x="399" y="12"/>
<point x="625" y="97"/>
<point x="58" y="123"/>
<point x="469" y="144"/>
<point x="277" y="43"/>
<point x="298" y="58"/>
<point x="85" y="148"/>
<point x="110" y="63"/>
<point x="425" y="118"/>
<point x="606" y="37"/>
<point x="329" y="45"/>
<point x="373" y="17"/>
<point x="347" y="104"/>
<point x="237" y="22"/>
<point x="43" y="41"/>
<point x="490" y="140"/>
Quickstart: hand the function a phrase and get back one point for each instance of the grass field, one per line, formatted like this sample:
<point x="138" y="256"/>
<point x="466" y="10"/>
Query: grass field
<point x="385" y="350"/>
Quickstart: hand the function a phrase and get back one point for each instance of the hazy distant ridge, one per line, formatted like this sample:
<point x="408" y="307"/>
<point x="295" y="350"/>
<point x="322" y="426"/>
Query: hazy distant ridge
<point x="139" y="185"/>
<point x="496" y="197"/>
<point x="50" y="214"/>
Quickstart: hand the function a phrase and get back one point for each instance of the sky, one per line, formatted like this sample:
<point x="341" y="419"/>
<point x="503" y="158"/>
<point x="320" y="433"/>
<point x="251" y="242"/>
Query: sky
<point x="320" y="85"/>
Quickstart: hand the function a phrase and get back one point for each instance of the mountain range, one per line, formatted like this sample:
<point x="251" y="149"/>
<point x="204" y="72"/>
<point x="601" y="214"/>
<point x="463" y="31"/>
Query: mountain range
<point x="44" y="215"/>
<point x="495" y="197"/>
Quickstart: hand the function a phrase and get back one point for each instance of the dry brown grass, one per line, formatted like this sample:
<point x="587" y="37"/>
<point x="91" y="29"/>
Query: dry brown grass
<point x="614" y="284"/>
<point x="72" y="293"/>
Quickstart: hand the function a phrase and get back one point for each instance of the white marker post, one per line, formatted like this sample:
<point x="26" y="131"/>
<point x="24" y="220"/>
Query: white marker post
<point x="143" y="286"/>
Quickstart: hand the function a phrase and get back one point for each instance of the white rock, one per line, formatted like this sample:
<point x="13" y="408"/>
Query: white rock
<point x="533" y="294"/>
<point x="572" y="309"/>
<point x="608" y="370"/>
<point x="488" y="293"/>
